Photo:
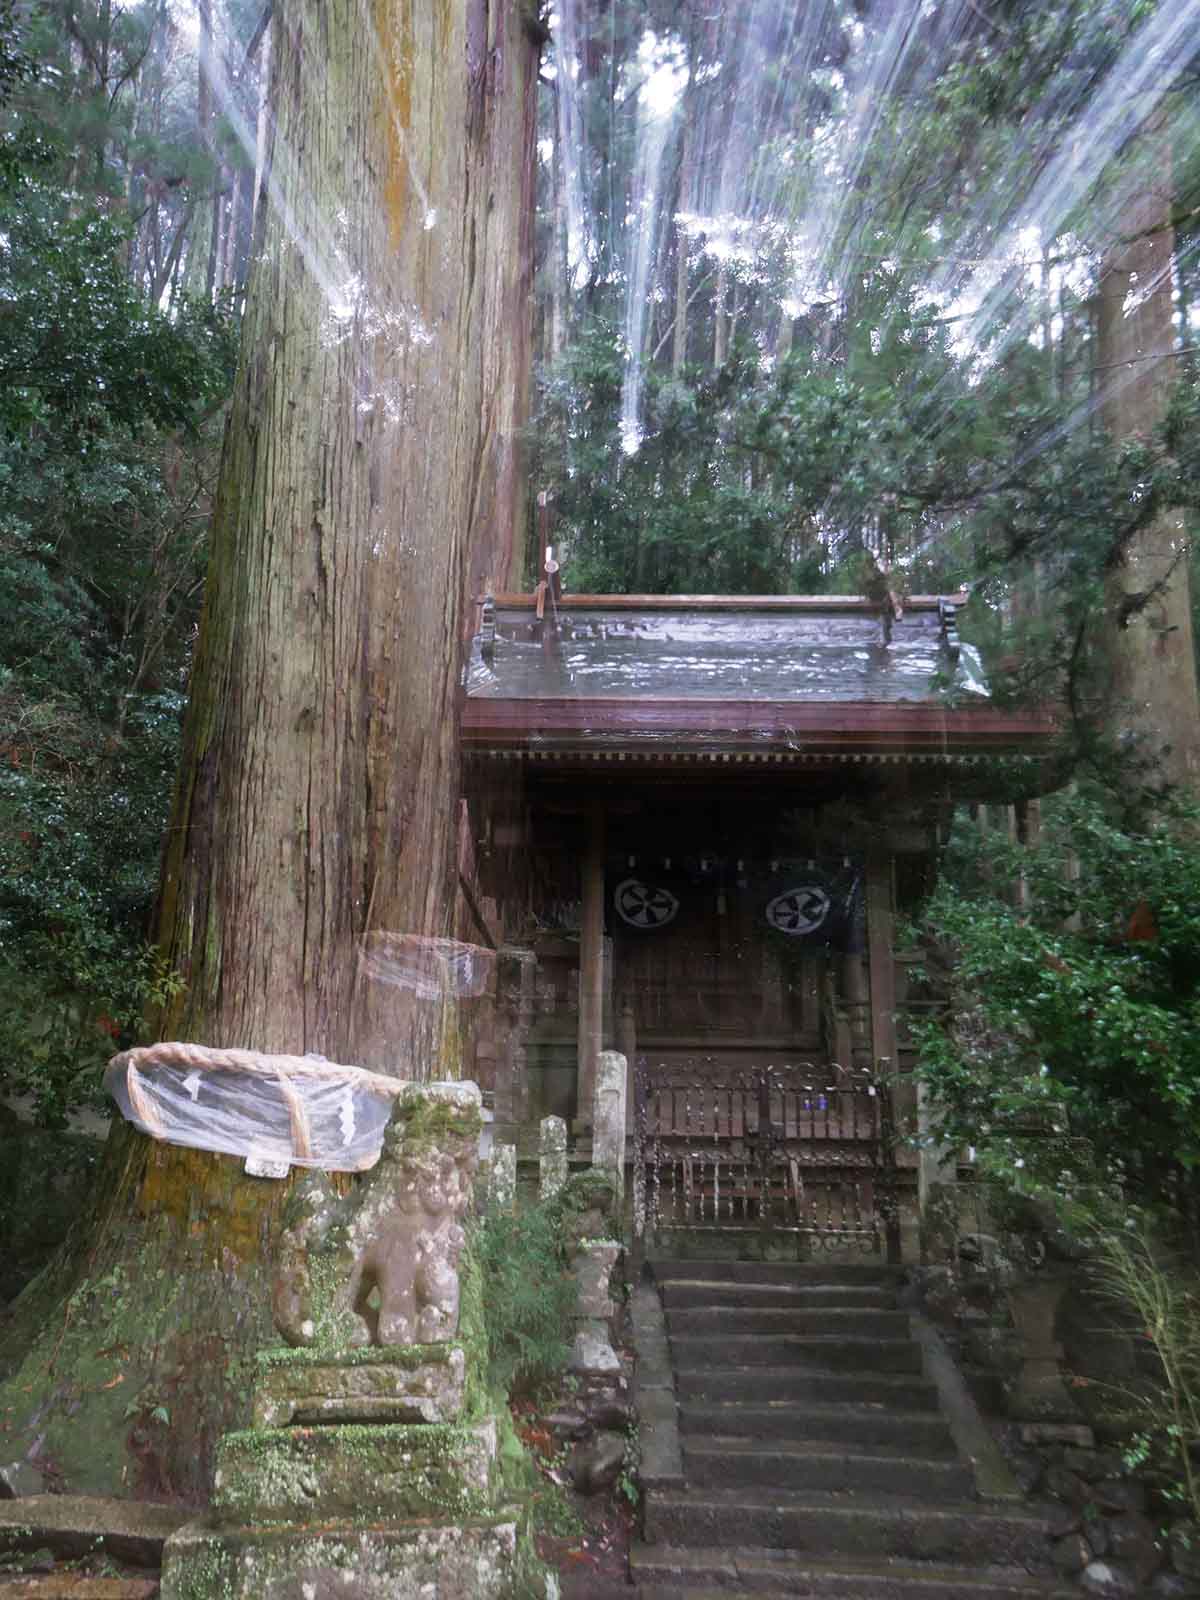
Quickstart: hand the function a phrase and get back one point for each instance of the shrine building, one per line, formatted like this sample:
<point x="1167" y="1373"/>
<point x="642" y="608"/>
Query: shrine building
<point x="709" y="815"/>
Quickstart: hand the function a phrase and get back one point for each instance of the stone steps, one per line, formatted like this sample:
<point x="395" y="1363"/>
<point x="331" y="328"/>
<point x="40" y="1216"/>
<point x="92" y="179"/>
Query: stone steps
<point x="75" y="1525"/>
<point x="825" y="1321"/>
<point x="752" y="1384"/>
<point x="886" y="1431"/>
<point x="682" y="1293"/>
<point x="808" y="1464"/>
<point x="852" y="1274"/>
<point x="663" y="1572"/>
<point x="815" y="1458"/>
<point x="829" y="1523"/>
<point x="827" y="1351"/>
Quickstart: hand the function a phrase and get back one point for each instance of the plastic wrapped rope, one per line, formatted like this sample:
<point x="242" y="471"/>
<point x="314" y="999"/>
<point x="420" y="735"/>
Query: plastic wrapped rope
<point x="276" y="1111"/>
<point x="433" y="969"/>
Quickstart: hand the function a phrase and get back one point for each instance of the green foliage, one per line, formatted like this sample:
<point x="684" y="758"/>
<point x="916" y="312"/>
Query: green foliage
<point x="83" y="349"/>
<point x="754" y="478"/>
<point x="529" y="1301"/>
<point x="811" y="475"/>
<point x="1072" y="1058"/>
<point x="109" y="431"/>
<point x="1161" y="1288"/>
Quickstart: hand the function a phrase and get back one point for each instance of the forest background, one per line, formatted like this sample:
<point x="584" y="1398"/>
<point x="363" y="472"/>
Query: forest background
<point x="819" y="306"/>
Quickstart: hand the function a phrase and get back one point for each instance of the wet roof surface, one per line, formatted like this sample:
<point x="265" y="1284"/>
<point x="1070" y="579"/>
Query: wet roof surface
<point x="720" y="655"/>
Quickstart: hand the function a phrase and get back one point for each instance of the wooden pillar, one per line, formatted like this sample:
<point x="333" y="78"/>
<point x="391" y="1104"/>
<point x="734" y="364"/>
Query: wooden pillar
<point x="591" y="964"/>
<point x="880" y="958"/>
<point x="881" y="975"/>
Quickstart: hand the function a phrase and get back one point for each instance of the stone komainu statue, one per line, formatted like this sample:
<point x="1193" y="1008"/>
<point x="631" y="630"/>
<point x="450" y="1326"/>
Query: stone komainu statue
<point x="380" y="1266"/>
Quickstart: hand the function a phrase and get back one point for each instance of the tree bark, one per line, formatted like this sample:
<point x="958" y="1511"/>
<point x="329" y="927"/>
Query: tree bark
<point x="720" y="321"/>
<point x="679" y="332"/>
<point x="1150" y="653"/>
<point x="369" y="466"/>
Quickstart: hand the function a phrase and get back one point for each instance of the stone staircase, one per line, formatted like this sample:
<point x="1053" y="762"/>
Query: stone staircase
<point x="818" y="1454"/>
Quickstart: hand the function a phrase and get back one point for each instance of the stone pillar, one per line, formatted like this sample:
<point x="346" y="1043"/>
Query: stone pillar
<point x="552" y="1157"/>
<point x="592" y="1355"/>
<point x="608" y="1120"/>
<point x="502" y="1178"/>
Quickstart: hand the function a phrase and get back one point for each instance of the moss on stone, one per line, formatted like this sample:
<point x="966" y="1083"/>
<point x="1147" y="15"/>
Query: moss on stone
<point x="408" y="1356"/>
<point x="428" y="1122"/>
<point x="471" y="1559"/>
<point x="353" y="1472"/>
<point x="479" y="1399"/>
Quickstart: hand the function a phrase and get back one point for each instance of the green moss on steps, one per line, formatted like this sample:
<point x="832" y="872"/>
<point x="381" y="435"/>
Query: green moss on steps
<point x="353" y="1473"/>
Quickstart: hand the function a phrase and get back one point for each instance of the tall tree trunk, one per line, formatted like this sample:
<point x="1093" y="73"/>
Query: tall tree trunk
<point x="1150" y="652"/>
<point x="560" y="247"/>
<point x="369" y="449"/>
<point x="262" y="131"/>
<point x="679" y="330"/>
<point x="720" y="321"/>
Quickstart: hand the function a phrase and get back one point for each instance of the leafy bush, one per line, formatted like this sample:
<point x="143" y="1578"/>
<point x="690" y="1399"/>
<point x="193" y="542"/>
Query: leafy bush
<point x="80" y="837"/>
<point x="1071" y="1054"/>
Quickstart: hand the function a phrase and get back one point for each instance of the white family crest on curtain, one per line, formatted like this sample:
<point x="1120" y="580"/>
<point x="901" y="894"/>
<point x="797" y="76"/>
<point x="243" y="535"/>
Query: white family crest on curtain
<point x="642" y="905"/>
<point x="800" y="911"/>
<point x="812" y="903"/>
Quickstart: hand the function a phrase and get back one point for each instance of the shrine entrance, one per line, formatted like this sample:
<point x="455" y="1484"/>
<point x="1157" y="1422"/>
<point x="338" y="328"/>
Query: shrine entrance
<point x="738" y="950"/>
<point x="765" y="1151"/>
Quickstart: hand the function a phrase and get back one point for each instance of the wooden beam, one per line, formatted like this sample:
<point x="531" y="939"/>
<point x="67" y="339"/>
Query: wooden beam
<point x="591" y="964"/>
<point x="755" y="724"/>
<point x="840" y="603"/>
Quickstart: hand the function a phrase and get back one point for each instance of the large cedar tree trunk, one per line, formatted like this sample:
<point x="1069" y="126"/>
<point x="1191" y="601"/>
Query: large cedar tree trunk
<point x="370" y="474"/>
<point x="1150" y="652"/>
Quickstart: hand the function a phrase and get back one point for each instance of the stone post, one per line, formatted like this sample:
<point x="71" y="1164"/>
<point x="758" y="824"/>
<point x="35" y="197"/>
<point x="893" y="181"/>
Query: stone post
<point x="502" y="1178"/>
<point x="592" y="1356"/>
<point x="552" y="1157"/>
<point x="608" y="1120"/>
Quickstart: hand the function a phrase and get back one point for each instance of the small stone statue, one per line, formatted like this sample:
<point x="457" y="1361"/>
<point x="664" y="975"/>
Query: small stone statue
<point x="380" y="1265"/>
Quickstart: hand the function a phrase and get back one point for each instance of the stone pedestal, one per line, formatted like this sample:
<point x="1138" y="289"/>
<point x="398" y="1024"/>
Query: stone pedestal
<point x="416" y="1560"/>
<point x="353" y="1472"/>
<point x="406" y="1383"/>
<point x="362" y="1478"/>
<point x="370" y="1508"/>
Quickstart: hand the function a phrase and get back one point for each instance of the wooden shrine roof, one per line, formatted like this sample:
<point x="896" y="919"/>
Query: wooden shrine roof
<point x="759" y="678"/>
